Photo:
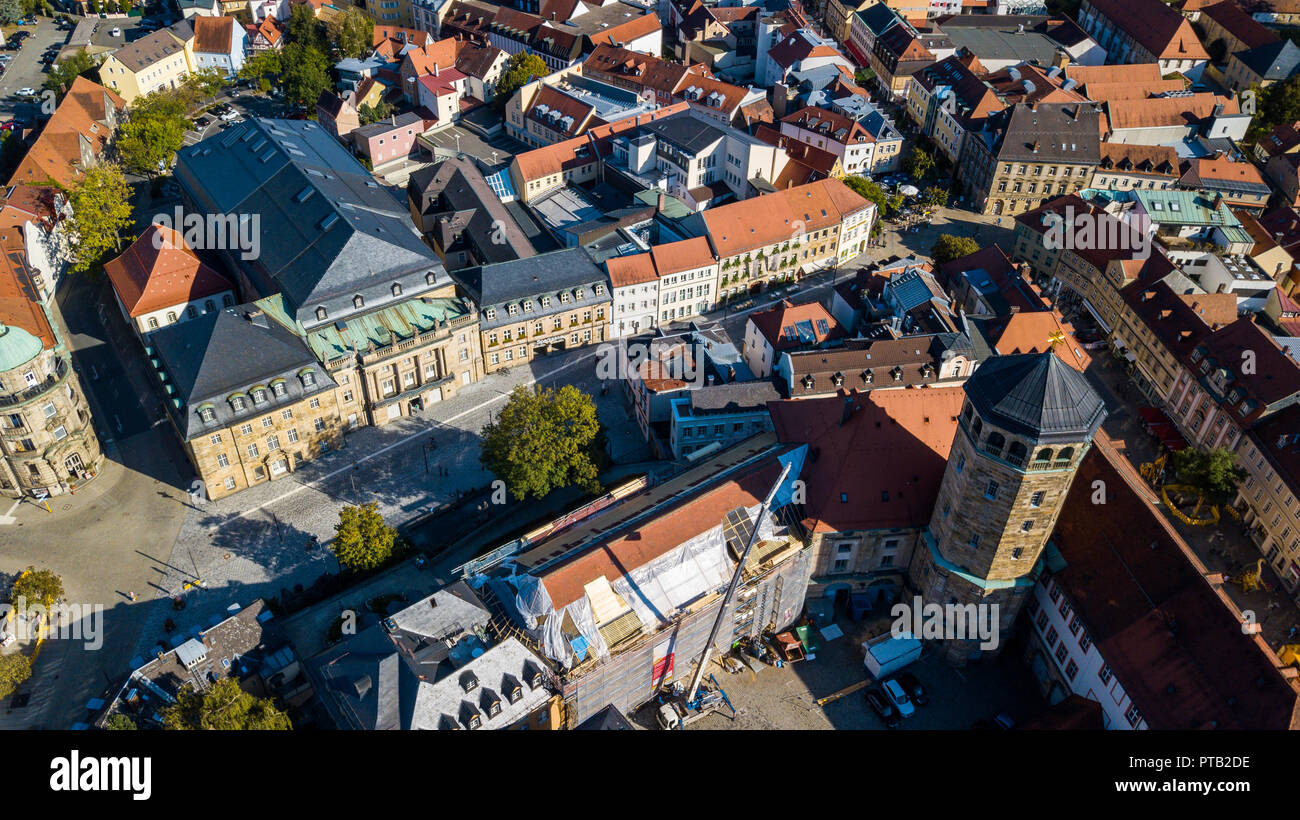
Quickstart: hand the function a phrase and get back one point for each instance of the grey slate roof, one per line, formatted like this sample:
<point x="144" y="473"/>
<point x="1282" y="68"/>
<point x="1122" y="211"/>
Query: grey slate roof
<point x="148" y="50"/>
<point x="520" y="280"/>
<point x="1053" y="130"/>
<point x="733" y="397"/>
<point x="406" y="673"/>
<point x="328" y="231"/>
<point x="211" y="357"/>
<point x="454" y="200"/>
<point x="1272" y="61"/>
<point x="1036" y="396"/>
<point x="692" y="131"/>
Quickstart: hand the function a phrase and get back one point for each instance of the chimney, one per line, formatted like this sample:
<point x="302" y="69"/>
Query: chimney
<point x="846" y="411"/>
<point x="1061" y="59"/>
<point x="663" y="200"/>
<point x="1218" y="110"/>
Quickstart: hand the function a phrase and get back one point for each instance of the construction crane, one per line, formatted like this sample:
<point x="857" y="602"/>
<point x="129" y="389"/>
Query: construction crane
<point x="678" y="710"/>
<point x="1251" y="580"/>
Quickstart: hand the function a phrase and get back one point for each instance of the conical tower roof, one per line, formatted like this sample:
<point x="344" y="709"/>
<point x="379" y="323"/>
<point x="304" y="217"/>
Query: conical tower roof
<point x="1036" y="396"/>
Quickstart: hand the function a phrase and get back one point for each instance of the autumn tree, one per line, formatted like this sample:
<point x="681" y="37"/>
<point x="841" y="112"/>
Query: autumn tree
<point x="15" y="669"/>
<point x="543" y="439"/>
<point x="40" y="586"/>
<point x="223" y="707"/>
<point x="101" y="209"/>
<point x="362" y="539"/>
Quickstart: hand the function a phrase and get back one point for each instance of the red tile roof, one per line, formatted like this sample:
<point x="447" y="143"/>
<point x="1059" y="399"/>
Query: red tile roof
<point x="1155" y="26"/>
<point x="553" y="159"/>
<point x="768" y="219"/>
<point x="212" y="35"/>
<point x="773" y="322"/>
<point x="80" y="117"/>
<point x="148" y="278"/>
<point x="1173" y="641"/>
<point x="19" y="302"/>
<point x="1239" y="24"/>
<point x="894" y="442"/>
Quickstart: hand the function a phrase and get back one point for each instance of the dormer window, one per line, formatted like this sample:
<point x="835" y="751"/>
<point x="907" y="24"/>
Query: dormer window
<point x="279" y="389"/>
<point x="308" y="377"/>
<point x="259" y="395"/>
<point x="237" y="404"/>
<point x="580" y="293"/>
<point x="564" y="297"/>
<point x="546" y="301"/>
<point x="207" y="415"/>
<point x="321" y="313"/>
<point x="397" y="289"/>
<point x="430" y="278"/>
<point x="532" y="675"/>
<point x="513" y="691"/>
<point x="868" y="377"/>
<point x="528" y="306"/>
<point x="600" y="290"/>
<point x="491" y="703"/>
<point x="468" y="682"/>
<point x="512" y="309"/>
<point x="808" y="382"/>
<point x="357" y="301"/>
<point x="490" y="313"/>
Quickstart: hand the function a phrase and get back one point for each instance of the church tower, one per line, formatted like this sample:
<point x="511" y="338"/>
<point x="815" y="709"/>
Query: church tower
<point x="1026" y="423"/>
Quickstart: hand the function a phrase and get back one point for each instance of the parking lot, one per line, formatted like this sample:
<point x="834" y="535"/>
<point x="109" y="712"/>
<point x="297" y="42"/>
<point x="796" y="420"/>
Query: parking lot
<point x="24" y="70"/>
<point x="786" y="698"/>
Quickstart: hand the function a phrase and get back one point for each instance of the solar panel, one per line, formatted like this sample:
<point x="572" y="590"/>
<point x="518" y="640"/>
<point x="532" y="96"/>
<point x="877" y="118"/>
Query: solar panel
<point x="805" y="330"/>
<point x="736" y="529"/>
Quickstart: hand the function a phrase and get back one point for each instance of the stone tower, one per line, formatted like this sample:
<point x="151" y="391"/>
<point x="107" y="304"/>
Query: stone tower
<point x="1026" y="423"/>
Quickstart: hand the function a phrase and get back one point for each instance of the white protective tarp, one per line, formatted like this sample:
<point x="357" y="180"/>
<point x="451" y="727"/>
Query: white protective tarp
<point x="660" y="588"/>
<point x="532" y="600"/>
<point x="584" y="619"/>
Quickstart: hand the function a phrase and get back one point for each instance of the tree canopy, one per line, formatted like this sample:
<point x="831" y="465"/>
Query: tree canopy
<point x="260" y="67"/>
<point x="101" y="209"/>
<point x="543" y="439"/>
<point x="519" y="70"/>
<point x="10" y="11"/>
<point x="305" y="29"/>
<point x="919" y="163"/>
<point x="15" y="668"/>
<point x="362" y="539"/>
<point x="948" y="247"/>
<point x="39" y="586"/>
<point x="223" y="707"/>
<point x="153" y="132"/>
<point x="304" y="73"/>
<point x="1212" y="472"/>
<point x="62" y="73"/>
<point x="373" y="113"/>
<point x="865" y="188"/>
<point x="351" y="32"/>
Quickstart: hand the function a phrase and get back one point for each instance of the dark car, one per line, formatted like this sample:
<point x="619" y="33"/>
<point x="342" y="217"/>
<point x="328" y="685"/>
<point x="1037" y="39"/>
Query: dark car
<point x="201" y="123"/>
<point x="11" y="125"/>
<point x="21" y="35"/>
<point x="913" y="688"/>
<point x="883" y="708"/>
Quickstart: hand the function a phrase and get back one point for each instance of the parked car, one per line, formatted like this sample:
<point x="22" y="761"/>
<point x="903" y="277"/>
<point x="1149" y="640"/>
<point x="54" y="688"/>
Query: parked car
<point x="11" y="125"/>
<point x="27" y="92"/>
<point x="913" y="688"/>
<point x="201" y="123"/>
<point x="899" y="698"/>
<point x="883" y="709"/>
<point x="116" y="32"/>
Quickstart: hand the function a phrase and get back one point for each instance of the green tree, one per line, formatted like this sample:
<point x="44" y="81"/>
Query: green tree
<point x="919" y="163"/>
<point x="543" y="439"/>
<point x="65" y="71"/>
<point x="1213" y="473"/>
<point x="12" y="152"/>
<point x="885" y="204"/>
<point x="101" y="209"/>
<point x="351" y="32"/>
<point x="149" y="139"/>
<point x="373" y="113"/>
<point x="118" y="722"/>
<point x="202" y="86"/>
<point x="15" y="668"/>
<point x="304" y="74"/>
<point x="305" y="29"/>
<point x="948" y="247"/>
<point x="362" y="539"/>
<point x="10" y="11"/>
<point x="518" y="71"/>
<point x="40" y="586"/>
<point x="935" y="196"/>
<point x="223" y="707"/>
<point x="261" y="67"/>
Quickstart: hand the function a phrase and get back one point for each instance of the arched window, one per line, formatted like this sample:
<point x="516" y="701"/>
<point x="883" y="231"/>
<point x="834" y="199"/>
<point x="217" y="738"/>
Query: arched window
<point x="994" y="443"/>
<point x="967" y="414"/>
<point x="1016" y="453"/>
<point x="430" y="278"/>
<point x="191" y="311"/>
<point x="209" y="306"/>
<point x="1065" y="455"/>
<point x="321" y="313"/>
<point x="171" y="316"/>
<point x="1044" y="455"/>
<point x="977" y="428"/>
<point x="357" y="301"/>
<point x="228" y="300"/>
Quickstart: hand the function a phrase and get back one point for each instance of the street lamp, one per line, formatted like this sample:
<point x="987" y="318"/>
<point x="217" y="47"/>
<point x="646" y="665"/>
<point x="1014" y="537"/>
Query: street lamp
<point x="431" y="444"/>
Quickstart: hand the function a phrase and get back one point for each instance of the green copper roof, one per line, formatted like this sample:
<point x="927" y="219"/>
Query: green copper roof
<point x="17" y="347"/>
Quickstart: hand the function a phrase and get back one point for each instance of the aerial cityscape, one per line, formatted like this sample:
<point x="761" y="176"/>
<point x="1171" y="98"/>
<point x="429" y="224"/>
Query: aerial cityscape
<point x="617" y="364"/>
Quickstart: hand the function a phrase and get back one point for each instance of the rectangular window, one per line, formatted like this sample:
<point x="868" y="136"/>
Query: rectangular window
<point x="1061" y="652"/>
<point x="1041" y="621"/>
<point x="293" y="434"/>
<point x="1105" y="673"/>
<point x="286" y="414"/>
<point x="1036" y="500"/>
<point x="1051" y="637"/>
<point x="1133" y="716"/>
<point x="314" y="404"/>
<point x="215" y="438"/>
<point x="222" y="461"/>
<point x="230" y="483"/>
<point x="267" y="422"/>
<point x="252" y="451"/>
<point x="246" y="429"/>
<point x="991" y="491"/>
<point x="1071" y="669"/>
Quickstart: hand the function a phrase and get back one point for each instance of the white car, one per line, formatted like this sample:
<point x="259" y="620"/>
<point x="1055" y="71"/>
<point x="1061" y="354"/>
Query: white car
<point x="894" y="691"/>
<point x="27" y="92"/>
<point x="230" y="115"/>
<point x="117" y="32"/>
